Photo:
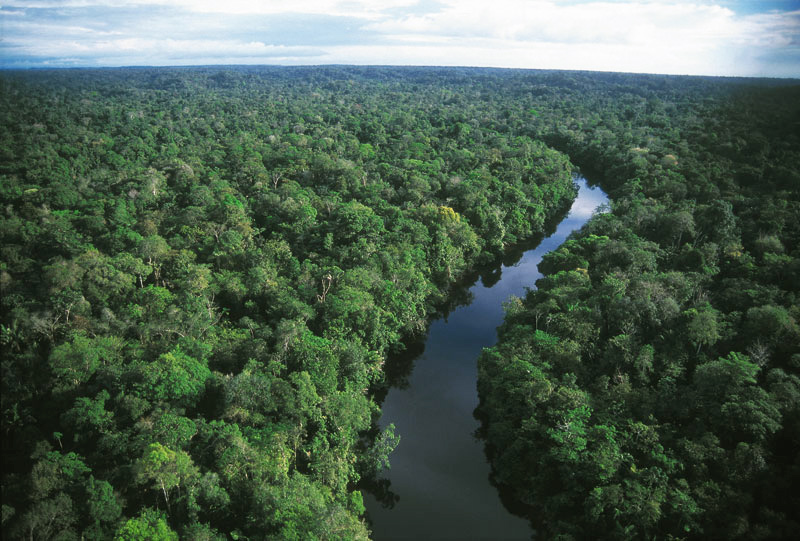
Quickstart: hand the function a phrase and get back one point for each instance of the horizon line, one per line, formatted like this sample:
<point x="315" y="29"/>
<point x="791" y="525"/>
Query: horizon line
<point x="7" y="68"/>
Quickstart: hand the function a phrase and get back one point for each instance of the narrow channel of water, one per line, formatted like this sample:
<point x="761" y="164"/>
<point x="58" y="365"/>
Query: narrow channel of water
<point x="439" y="470"/>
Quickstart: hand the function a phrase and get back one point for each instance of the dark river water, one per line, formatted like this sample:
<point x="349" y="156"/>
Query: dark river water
<point x="439" y="470"/>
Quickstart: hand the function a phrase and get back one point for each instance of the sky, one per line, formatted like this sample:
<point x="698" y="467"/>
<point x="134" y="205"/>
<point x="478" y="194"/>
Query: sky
<point x="694" y="37"/>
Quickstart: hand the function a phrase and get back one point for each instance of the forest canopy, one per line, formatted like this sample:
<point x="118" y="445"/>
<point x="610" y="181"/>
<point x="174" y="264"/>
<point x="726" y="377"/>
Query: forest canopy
<point x="203" y="271"/>
<point x="648" y="386"/>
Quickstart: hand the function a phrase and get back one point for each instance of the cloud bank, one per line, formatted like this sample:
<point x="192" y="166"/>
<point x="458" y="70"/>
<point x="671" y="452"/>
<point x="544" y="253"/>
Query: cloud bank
<point x="683" y="37"/>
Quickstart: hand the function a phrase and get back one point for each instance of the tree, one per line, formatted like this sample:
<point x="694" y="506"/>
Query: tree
<point x="104" y="509"/>
<point x="154" y="249"/>
<point x="174" y="377"/>
<point x="167" y="470"/>
<point x="703" y="327"/>
<point x="150" y="524"/>
<point x="75" y="362"/>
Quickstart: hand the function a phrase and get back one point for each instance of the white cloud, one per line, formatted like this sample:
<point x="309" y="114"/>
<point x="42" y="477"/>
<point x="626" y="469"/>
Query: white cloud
<point x="663" y="37"/>
<point x="657" y="36"/>
<point x="361" y="8"/>
<point x="364" y="8"/>
<point x="170" y="48"/>
<point x="591" y="22"/>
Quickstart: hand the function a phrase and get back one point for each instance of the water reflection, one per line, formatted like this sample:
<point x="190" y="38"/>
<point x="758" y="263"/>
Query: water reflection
<point x="439" y="485"/>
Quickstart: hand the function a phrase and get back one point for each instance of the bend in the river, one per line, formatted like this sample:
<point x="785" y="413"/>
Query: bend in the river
<point x="439" y="471"/>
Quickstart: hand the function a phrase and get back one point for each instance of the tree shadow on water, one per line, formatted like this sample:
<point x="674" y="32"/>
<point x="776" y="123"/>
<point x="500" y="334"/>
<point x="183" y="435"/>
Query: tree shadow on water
<point x="380" y="488"/>
<point x="510" y="502"/>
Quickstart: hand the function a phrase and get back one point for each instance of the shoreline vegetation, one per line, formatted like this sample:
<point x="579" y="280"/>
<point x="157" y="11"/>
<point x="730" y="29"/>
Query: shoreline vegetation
<point x="204" y="269"/>
<point x="648" y="387"/>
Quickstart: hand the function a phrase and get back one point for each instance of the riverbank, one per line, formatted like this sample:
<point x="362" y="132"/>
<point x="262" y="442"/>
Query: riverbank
<point x="439" y="471"/>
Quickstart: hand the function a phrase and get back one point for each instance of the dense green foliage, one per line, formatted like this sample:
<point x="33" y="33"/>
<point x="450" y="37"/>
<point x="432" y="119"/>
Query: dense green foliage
<point x="650" y="386"/>
<point x="203" y="270"/>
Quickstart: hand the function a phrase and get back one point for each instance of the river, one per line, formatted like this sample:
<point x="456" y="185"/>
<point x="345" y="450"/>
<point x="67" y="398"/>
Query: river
<point x="439" y="470"/>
